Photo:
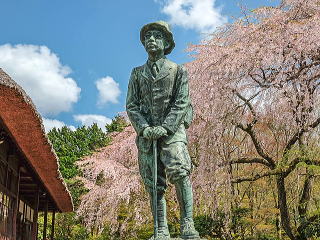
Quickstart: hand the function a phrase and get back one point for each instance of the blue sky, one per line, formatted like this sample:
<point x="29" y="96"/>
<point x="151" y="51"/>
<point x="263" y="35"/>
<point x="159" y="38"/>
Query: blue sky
<point x="74" y="57"/>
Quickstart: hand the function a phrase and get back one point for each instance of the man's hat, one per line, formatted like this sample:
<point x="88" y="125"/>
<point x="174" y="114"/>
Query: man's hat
<point x="165" y="28"/>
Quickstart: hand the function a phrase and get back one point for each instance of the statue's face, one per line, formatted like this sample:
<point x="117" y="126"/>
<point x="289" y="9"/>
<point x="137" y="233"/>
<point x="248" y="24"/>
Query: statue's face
<point x="155" y="41"/>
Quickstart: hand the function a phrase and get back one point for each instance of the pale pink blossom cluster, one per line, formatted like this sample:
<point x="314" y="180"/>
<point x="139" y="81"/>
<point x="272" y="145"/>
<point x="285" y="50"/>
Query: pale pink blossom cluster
<point x="259" y="75"/>
<point x="112" y="177"/>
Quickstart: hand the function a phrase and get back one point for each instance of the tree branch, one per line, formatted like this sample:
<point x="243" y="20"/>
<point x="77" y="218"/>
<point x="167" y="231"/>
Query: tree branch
<point x="250" y="161"/>
<point x="257" y="145"/>
<point x="256" y="177"/>
<point x="247" y="102"/>
<point x="299" y="134"/>
<point x="284" y="172"/>
<point x="262" y="85"/>
<point x="315" y="123"/>
<point x="291" y="167"/>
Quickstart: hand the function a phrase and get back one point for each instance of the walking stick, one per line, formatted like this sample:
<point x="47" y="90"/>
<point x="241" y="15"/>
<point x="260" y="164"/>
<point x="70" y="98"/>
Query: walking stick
<point x="154" y="188"/>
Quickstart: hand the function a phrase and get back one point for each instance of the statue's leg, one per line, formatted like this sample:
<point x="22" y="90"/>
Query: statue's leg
<point x="163" y="230"/>
<point x="185" y="198"/>
<point x="145" y="165"/>
<point x="178" y="169"/>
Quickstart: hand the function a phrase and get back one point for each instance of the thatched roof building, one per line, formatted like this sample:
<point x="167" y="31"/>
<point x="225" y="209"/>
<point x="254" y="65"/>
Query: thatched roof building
<point x="30" y="180"/>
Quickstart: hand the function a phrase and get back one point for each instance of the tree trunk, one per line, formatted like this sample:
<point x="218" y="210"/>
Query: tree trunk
<point x="303" y="204"/>
<point x="284" y="212"/>
<point x="278" y="227"/>
<point x="305" y="197"/>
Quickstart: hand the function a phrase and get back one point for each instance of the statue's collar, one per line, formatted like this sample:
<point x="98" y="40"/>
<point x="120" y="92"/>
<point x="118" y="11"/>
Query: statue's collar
<point x="159" y="62"/>
<point x="164" y="69"/>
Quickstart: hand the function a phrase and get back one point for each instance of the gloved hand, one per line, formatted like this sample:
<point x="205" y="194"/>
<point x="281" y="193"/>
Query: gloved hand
<point x="147" y="132"/>
<point x="158" y="132"/>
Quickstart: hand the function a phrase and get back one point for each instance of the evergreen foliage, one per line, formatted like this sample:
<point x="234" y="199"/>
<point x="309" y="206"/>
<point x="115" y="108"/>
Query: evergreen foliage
<point x="70" y="146"/>
<point x="117" y="124"/>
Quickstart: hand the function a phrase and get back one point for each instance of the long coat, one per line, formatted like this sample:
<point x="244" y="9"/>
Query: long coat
<point x="160" y="101"/>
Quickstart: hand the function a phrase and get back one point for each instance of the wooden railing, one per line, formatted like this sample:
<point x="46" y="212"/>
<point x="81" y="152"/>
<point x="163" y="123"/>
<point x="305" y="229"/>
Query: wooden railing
<point x="5" y="238"/>
<point x="6" y="222"/>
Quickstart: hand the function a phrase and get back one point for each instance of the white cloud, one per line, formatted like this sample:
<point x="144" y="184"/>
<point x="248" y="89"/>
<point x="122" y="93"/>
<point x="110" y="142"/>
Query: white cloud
<point x="108" y="90"/>
<point x="51" y="123"/>
<point x="200" y="15"/>
<point x="41" y="75"/>
<point x="89" y="119"/>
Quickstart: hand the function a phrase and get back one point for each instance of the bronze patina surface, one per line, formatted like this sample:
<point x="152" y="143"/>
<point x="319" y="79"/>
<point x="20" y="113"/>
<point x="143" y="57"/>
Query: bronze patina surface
<point x="159" y="108"/>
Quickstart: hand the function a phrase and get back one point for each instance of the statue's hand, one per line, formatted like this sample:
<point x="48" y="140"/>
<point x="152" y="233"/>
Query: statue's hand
<point x="147" y="132"/>
<point x="158" y="132"/>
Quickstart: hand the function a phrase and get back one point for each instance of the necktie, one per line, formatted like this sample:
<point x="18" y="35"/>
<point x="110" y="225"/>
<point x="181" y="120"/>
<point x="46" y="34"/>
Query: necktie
<point x="154" y="70"/>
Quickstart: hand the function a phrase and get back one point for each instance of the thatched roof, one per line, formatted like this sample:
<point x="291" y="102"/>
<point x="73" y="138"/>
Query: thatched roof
<point x="24" y="124"/>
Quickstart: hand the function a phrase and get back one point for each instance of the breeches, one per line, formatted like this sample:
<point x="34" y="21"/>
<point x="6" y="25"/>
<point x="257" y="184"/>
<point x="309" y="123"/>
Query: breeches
<point x="173" y="161"/>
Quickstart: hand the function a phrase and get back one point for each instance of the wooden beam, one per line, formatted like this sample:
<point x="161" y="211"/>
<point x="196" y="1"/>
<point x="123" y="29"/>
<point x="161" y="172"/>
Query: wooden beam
<point x="45" y="221"/>
<point x="26" y="175"/>
<point x="16" y="208"/>
<point x="52" y="225"/>
<point x="28" y="188"/>
<point x="35" y="216"/>
<point x="28" y="183"/>
<point x="7" y="171"/>
<point x="28" y="192"/>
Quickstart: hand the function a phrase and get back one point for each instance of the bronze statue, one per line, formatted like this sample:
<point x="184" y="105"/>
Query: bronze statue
<point x="159" y="108"/>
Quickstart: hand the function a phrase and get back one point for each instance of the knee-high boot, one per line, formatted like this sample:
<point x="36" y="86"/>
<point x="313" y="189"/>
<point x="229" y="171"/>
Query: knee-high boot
<point x="163" y="230"/>
<point x="185" y="198"/>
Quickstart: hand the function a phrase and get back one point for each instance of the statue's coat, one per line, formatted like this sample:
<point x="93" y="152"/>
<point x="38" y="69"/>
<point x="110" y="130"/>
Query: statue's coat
<point x="160" y="101"/>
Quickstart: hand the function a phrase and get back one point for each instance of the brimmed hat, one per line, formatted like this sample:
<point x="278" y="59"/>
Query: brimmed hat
<point x="165" y="28"/>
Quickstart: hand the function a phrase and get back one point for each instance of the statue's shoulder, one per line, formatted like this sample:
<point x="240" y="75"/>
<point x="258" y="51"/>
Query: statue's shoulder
<point x="138" y="69"/>
<point x="178" y="67"/>
<point x="182" y="68"/>
<point x="170" y="63"/>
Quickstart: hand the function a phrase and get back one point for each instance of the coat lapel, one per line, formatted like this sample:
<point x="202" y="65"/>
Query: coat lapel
<point x="164" y="71"/>
<point x="146" y="72"/>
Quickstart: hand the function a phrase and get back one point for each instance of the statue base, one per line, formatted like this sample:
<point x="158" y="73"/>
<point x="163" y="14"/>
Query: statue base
<point x="181" y="238"/>
<point x="189" y="239"/>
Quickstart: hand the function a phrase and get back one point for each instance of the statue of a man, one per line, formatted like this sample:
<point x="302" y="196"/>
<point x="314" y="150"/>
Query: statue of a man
<point x="159" y="108"/>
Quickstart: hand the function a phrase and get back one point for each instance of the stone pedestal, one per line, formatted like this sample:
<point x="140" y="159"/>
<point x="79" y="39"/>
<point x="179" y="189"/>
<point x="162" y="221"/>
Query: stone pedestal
<point x="190" y="239"/>
<point x="182" y="239"/>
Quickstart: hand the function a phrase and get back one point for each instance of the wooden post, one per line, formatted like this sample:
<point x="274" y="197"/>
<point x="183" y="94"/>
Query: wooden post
<point x="16" y="207"/>
<point x="52" y="224"/>
<point x="35" y="216"/>
<point x="6" y="180"/>
<point x="45" y="221"/>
